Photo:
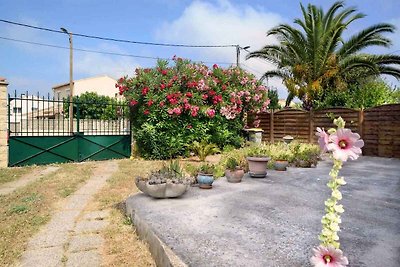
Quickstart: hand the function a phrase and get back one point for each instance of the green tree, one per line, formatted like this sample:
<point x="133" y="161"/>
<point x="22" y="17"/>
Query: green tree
<point x="315" y="58"/>
<point x="274" y="99"/>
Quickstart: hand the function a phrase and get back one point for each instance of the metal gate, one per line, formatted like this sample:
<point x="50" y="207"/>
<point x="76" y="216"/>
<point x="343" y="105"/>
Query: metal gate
<point x="41" y="132"/>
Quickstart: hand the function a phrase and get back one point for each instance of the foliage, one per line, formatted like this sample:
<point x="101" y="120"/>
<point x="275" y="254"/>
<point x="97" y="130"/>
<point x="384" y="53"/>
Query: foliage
<point x="203" y="149"/>
<point x="259" y="151"/>
<point x="308" y="153"/>
<point x="281" y="151"/>
<point x="315" y="58"/>
<point x="362" y="95"/>
<point x="94" y="106"/>
<point x="232" y="163"/>
<point x="206" y="168"/>
<point x="274" y="99"/>
<point x="173" y="106"/>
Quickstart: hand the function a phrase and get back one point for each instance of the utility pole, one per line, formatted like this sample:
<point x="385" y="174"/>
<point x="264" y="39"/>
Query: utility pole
<point x="71" y="82"/>
<point x="238" y="54"/>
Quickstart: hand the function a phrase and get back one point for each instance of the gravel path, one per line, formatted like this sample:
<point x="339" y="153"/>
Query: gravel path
<point x="10" y="187"/>
<point x="72" y="238"/>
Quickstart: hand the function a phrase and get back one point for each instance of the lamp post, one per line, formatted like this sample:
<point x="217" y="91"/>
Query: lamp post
<point x="238" y="54"/>
<point x="71" y="82"/>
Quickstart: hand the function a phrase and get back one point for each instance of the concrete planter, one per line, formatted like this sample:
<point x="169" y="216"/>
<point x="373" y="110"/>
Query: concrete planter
<point x="281" y="165"/>
<point x="258" y="166"/>
<point x="234" y="176"/>
<point x="205" y="180"/>
<point x="164" y="190"/>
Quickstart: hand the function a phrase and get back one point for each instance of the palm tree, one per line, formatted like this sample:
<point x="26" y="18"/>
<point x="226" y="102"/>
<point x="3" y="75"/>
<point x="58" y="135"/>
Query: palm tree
<point x="315" y="58"/>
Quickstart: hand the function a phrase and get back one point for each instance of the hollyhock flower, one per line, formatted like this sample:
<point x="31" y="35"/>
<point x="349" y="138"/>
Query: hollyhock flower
<point x="323" y="139"/>
<point x="133" y="102"/>
<point x="328" y="257"/>
<point x="345" y="144"/>
<point x="145" y="90"/>
<point x="210" y="113"/>
<point x="146" y="112"/>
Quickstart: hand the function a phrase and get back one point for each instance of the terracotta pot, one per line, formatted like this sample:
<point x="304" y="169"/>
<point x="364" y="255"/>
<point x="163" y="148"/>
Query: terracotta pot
<point x="258" y="166"/>
<point x="205" y="180"/>
<point x="234" y="176"/>
<point x="281" y="165"/>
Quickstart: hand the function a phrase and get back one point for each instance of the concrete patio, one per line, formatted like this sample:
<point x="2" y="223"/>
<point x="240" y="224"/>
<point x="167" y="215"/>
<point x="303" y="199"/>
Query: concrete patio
<point x="275" y="221"/>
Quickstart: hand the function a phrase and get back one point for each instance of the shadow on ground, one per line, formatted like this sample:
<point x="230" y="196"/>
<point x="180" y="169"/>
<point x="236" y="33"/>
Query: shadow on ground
<point x="275" y="221"/>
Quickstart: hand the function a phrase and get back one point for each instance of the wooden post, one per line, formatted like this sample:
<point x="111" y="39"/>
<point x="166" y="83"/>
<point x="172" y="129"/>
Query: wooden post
<point x="271" y="127"/>
<point x="311" y="126"/>
<point x="3" y="123"/>
<point x="361" y="123"/>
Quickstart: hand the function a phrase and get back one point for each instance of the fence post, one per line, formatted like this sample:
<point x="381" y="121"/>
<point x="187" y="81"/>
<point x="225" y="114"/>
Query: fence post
<point x="271" y="127"/>
<point x="311" y="126"/>
<point x="361" y="123"/>
<point x="3" y="123"/>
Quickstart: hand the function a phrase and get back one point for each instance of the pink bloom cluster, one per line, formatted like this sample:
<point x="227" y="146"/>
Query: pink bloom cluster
<point x="344" y="144"/>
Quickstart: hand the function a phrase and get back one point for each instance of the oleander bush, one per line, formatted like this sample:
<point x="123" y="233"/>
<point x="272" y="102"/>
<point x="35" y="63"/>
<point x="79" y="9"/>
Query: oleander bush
<point x="174" y="106"/>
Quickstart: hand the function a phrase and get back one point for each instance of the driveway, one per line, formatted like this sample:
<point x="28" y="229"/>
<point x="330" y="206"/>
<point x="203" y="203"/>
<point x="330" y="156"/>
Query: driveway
<point x="275" y="221"/>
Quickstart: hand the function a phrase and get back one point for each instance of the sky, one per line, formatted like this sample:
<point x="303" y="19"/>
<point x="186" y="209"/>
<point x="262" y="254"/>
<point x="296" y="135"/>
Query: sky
<point x="36" y="68"/>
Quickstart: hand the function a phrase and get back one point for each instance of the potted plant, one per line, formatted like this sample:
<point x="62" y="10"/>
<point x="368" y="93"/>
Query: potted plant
<point x="204" y="149"/>
<point x="281" y="159"/>
<point x="205" y="176"/>
<point x="257" y="160"/>
<point x="306" y="157"/>
<point x="168" y="182"/>
<point x="234" y="172"/>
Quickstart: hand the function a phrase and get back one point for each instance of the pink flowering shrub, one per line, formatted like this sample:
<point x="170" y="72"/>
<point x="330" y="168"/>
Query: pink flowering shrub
<point x="173" y="106"/>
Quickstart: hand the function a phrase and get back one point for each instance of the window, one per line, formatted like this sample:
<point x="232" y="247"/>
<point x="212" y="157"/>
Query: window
<point x="17" y="110"/>
<point x="34" y="108"/>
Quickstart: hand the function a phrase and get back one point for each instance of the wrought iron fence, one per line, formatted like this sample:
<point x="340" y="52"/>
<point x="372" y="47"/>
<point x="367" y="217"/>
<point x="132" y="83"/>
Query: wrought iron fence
<point x="35" y="115"/>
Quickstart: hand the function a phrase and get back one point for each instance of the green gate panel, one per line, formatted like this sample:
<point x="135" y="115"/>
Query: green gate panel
<point x="29" y="150"/>
<point x="101" y="147"/>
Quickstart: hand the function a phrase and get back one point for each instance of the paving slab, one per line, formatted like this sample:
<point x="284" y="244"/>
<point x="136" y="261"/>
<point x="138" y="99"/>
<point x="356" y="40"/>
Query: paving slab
<point x="275" y="221"/>
<point x="49" y="257"/>
<point x="85" y="242"/>
<point x="84" y="258"/>
<point x="89" y="226"/>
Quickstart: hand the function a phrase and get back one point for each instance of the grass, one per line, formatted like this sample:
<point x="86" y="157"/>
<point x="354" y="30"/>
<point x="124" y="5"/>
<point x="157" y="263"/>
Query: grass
<point x="122" y="245"/>
<point x="12" y="174"/>
<point x="24" y="211"/>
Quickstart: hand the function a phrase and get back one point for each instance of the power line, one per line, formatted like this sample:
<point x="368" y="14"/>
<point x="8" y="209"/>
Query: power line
<point x="102" y="52"/>
<point x="116" y="40"/>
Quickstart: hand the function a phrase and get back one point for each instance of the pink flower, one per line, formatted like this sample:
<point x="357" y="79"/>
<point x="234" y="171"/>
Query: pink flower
<point x="189" y="94"/>
<point x="164" y="72"/>
<point x="215" y="66"/>
<point x="150" y="102"/>
<point x="194" y="110"/>
<point x="323" y="139"/>
<point x="145" y="90"/>
<point x="210" y="113"/>
<point x="328" y="257"/>
<point x="146" y="112"/>
<point x="133" y="102"/>
<point x="162" y="103"/>
<point x="345" y="144"/>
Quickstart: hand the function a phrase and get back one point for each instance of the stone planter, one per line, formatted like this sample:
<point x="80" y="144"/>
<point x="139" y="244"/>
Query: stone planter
<point x="164" y="190"/>
<point x="258" y="166"/>
<point x="281" y="165"/>
<point x="205" y="180"/>
<point x="304" y="164"/>
<point x="234" y="176"/>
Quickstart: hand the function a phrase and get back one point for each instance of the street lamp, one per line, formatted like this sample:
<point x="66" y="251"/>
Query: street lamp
<point x="238" y="53"/>
<point x="71" y="82"/>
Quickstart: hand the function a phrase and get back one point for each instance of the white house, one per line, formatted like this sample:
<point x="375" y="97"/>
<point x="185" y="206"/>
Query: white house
<point x="22" y="105"/>
<point x="102" y="85"/>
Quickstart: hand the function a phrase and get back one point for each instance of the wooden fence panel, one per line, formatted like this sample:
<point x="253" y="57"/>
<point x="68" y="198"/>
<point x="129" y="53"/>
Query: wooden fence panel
<point x="292" y="122"/>
<point x="381" y="131"/>
<point x="379" y="126"/>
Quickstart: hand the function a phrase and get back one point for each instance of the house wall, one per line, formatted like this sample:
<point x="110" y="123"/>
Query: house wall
<point x="3" y="125"/>
<point x="23" y="105"/>
<point x="103" y="85"/>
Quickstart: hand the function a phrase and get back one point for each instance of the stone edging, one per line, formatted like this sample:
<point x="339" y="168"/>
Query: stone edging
<point x="161" y="253"/>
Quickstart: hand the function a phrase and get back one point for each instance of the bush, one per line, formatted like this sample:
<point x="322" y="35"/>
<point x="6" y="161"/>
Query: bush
<point x="173" y="106"/>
